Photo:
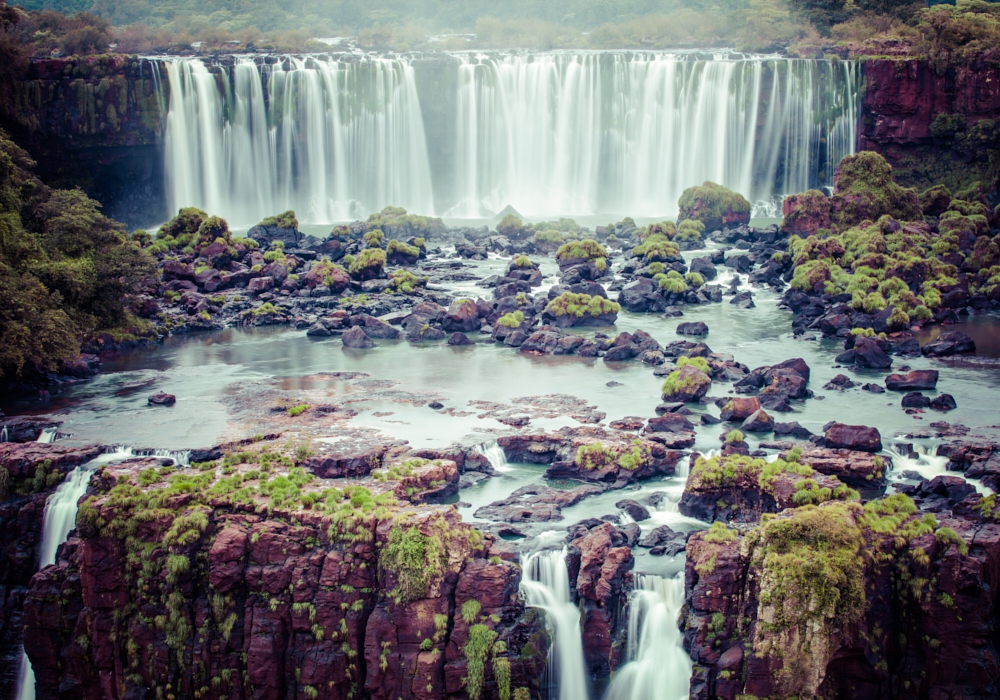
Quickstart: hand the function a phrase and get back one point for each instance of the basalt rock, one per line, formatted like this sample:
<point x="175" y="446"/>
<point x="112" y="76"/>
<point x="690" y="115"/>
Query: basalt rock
<point x="917" y="380"/>
<point x="853" y="437"/>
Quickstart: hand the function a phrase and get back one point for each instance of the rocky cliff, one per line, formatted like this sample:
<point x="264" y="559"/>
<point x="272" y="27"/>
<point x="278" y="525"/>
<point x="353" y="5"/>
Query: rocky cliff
<point x="96" y="123"/>
<point x="935" y="125"/>
<point x="29" y="473"/>
<point x="206" y="586"/>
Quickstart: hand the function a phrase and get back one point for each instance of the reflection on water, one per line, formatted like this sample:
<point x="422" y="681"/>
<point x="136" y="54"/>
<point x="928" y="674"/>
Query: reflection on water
<point x="984" y="329"/>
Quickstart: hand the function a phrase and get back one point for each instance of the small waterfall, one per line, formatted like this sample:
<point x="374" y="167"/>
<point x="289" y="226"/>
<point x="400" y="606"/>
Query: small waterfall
<point x="59" y="520"/>
<point x="495" y="454"/>
<point x="47" y="435"/>
<point x="928" y="466"/>
<point x="546" y="586"/>
<point x="657" y="668"/>
<point x="3" y="434"/>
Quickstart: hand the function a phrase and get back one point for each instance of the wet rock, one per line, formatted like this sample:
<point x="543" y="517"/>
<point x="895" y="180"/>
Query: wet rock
<point x="662" y="536"/>
<point x="436" y="405"/>
<point x="161" y="399"/>
<point x="357" y="338"/>
<point x="839" y="383"/>
<point x="459" y="338"/>
<point x="461" y="316"/>
<point x="635" y="510"/>
<point x="743" y="300"/>
<point x="867" y="353"/>
<point x="739" y="408"/>
<point x="949" y="344"/>
<point x="917" y="380"/>
<point x="536" y="503"/>
<point x="857" y="469"/>
<point x="794" y="429"/>
<point x="696" y="328"/>
<point x="915" y="400"/>
<point x="853" y="437"/>
<point x="670" y="423"/>
<point x="758" y="422"/>
<point x="873" y="388"/>
<point x="628" y="423"/>
<point x="26" y="428"/>
<point x="944" y="402"/>
<point x="691" y="385"/>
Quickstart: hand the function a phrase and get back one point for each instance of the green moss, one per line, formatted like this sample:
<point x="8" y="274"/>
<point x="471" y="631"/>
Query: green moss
<point x="946" y="537"/>
<point x="522" y="261"/>
<point x="597" y="456"/>
<point x="579" y="305"/>
<point x="470" y="610"/>
<point x="368" y="260"/>
<point x="405" y="281"/>
<point x="511" y="320"/>
<point x="657" y="248"/>
<point x="374" y="238"/>
<point x="712" y="205"/>
<point x="734" y="436"/>
<point x="397" y="246"/>
<point x="476" y="649"/>
<point x="284" y="220"/>
<point x="719" y="534"/>
<point x="585" y="250"/>
<point x="298" y="410"/>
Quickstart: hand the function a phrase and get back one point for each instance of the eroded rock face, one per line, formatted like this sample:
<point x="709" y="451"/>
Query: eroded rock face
<point x="756" y="628"/>
<point x="275" y="608"/>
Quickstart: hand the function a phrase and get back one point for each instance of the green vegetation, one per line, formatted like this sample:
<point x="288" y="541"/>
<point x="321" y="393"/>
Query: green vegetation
<point x="66" y="270"/>
<point x="522" y="261"/>
<point x="298" y="410"/>
<point x="585" y="250"/>
<point x="713" y="206"/>
<point x="657" y="248"/>
<point x="734" y="437"/>
<point x="672" y="281"/>
<point x="284" y="221"/>
<point x="368" y="264"/>
<point x="405" y="281"/>
<point x="719" y="533"/>
<point x="397" y="246"/>
<point x="679" y="382"/>
<point x="374" y="238"/>
<point x="511" y="320"/>
<point x="510" y="226"/>
<point x="597" y="456"/>
<point x="579" y="305"/>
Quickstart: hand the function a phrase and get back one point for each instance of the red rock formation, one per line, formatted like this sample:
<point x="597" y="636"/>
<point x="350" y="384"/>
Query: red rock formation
<point x="272" y="607"/>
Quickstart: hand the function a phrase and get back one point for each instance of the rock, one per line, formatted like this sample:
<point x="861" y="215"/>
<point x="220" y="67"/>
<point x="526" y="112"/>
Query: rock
<point x="917" y="380"/>
<point x="25" y="428"/>
<point x="739" y="408"/>
<point x="857" y="469"/>
<point x="461" y="316"/>
<point x="635" y="510"/>
<point x="690" y="384"/>
<point x="743" y="300"/>
<point x="459" y="338"/>
<point x="949" y="344"/>
<point x="758" y="422"/>
<point x="839" y="383"/>
<point x="915" y="400"/>
<point x="357" y="338"/>
<point x="696" y="328"/>
<point x="663" y="536"/>
<point x="793" y="429"/>
<point x="436" y="405"/>
<point x="873" y="388"/>
<point x="853" y="437"/>
<point x="867" y="353"/>
<point x="944" y="402"/>
<point x="627" y="423"/>
<point x="162" y="399"/>
<point x="670" y="423"/>
<point x="536" y="503"/>
<point x="260" y="284"/>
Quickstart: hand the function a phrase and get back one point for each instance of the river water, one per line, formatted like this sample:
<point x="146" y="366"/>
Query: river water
<point x="207" y="371"/>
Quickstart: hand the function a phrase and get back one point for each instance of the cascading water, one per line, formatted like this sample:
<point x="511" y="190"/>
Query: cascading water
<point x="546" y="586"/>
<point x="548" y="133"/>
<point x="658" y="667"/>
<point x="495" y="454"/>
<point x="330" y="139"/>
<point x="59" y="520"/>
<point x="47" y="435"/>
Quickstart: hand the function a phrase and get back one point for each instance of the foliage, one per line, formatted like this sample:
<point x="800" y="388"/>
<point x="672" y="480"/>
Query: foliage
<point x="579" y="305"/>
<point x="711" y="205"/>
<point x="585" y="250"/>
<point x="369" y="260"/>
<point x="404" y="280"/>
<point x="596" y="455"/>
<point x="66" y="270"/>
<point x="415" y="558"/>
<point x="511" y="320"/>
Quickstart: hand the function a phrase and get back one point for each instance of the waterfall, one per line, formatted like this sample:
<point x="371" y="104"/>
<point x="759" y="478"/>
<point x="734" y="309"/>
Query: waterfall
<point x="658" y="667"/>
<point x="47" y="435"/>
<point x="495" y="454"/>
<point x="546" y="586"/>
<point x="3" y="434"/>
<point x="332" y="140"/>
<point x="562" y="133"/>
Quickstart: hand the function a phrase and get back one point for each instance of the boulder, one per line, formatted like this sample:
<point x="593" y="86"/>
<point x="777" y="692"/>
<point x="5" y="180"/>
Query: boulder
<point x="459" y="338"/>
<point x="949" y="344"/>
<point x="867" y="353"/>
<point x="695" y="328"/>
<point x="944" y="402"/>
<point x="915" y="400"/>
<point x="690" y="384"/>
<point x="759" y="422"/>
<point x="669" y="423"/>
<point x="635" y="510"/>
<point x="917" y="380"/>
<point x="162" y="399"/>
<point x="853" y="437"/>
<point x="739" y="408"/>
<point x="357" y="338"/>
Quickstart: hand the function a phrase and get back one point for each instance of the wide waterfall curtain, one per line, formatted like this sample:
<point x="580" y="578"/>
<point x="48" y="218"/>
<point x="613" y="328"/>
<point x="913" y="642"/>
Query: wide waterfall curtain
<point x="336" y="138"/>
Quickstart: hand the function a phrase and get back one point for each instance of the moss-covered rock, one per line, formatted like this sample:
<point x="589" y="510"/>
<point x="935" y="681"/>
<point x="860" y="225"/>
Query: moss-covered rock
<point x="572" y="309"/>
<point x="714" y="206"/>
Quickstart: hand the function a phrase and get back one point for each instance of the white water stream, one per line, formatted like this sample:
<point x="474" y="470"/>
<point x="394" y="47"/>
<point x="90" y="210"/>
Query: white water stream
<point x="657" y="666"/>
<point x="551" y="134"/>
<point x="495" y="454"/>
<point x="546" y="586"/>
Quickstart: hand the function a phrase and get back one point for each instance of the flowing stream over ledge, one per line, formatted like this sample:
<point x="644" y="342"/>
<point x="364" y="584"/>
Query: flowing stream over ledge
<point x="464" y="135"/>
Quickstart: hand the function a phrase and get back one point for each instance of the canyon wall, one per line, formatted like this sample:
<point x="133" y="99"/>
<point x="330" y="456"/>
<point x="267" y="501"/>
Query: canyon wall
<point x="934" y="124"/>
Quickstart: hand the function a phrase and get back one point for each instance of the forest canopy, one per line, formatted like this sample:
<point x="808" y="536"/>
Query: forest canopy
<point x="806" y="27"/>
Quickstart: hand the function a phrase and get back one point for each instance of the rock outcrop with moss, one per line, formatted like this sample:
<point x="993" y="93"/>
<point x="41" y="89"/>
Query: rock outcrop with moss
<point x="252" y="577"/>
<point x="714" y="206"/>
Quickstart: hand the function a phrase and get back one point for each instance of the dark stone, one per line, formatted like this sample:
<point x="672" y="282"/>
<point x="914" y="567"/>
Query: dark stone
<point x="793" y="428"/>
<point x="162" y="399"/>
<point x="915" y="400"/>
<point x="635" y="510"/>
<point x="436" y="405"/>
<point x="944" y="402"/>
<point x="459" y="338"/>
<point x="357" y="338"/>
<point x="758" y="422"/>
<point x="692" y="328"/>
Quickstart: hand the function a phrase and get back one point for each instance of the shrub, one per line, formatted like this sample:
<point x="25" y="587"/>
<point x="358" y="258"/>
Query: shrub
<point x="585" y="250"/>
<point x="284" y="220"/>
<point x="374" y="239"/>
<point x="369" y="263"/>
<point x="713" y="206"/>
<point x="511" y="320"/>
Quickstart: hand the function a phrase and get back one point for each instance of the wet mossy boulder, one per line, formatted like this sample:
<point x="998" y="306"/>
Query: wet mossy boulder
<point x="715" y="206"/>
<point x="581" y="253"/>
<point x="865" y="191"/>
<point x="368" y="265"/>
<point x="572" y="309"/>
<point x="689" y="382"/>
<point x="283" y="227"/>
